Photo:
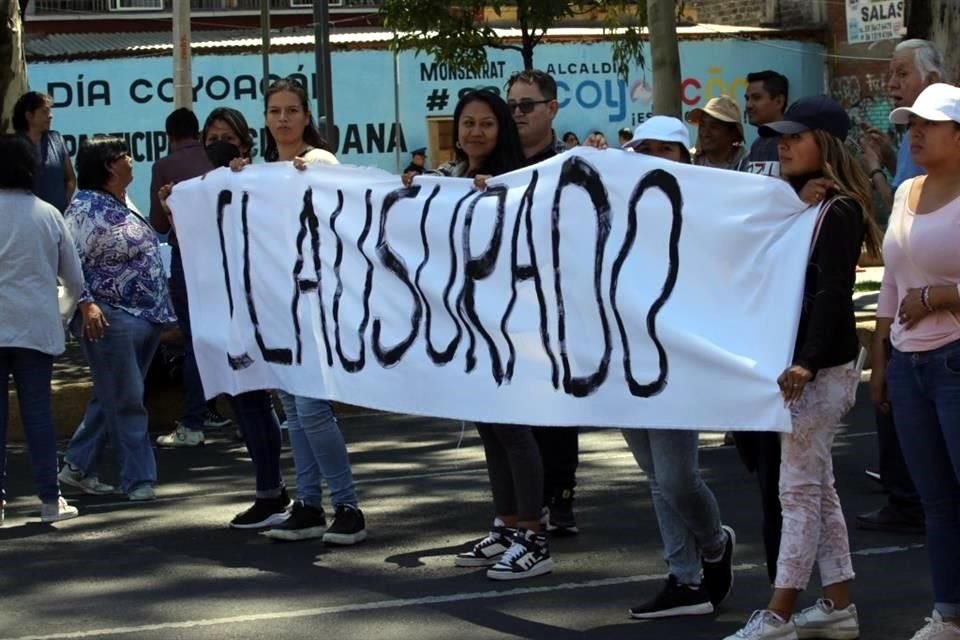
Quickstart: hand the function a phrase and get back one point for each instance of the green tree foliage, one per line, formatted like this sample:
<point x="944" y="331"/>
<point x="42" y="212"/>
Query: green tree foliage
<point x="455" y="32"/>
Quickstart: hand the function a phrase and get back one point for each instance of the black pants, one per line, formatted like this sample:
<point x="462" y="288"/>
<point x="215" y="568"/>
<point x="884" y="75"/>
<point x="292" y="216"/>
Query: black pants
<point x="760" y="451"/>
<point x="894" y="474"/>
<point x="560" y="450"/>
<point x="515" y="469"/>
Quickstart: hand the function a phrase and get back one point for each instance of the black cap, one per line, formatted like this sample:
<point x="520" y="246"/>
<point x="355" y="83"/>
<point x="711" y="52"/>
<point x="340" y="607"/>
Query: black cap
<point x="422" y="151"/>
<point x="815" y="112"/>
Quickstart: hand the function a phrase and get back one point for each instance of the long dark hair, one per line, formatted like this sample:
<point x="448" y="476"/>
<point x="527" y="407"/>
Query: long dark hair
<point x="507" y="155"/>
<point x="30" y="101"/>
<point x="233" y="119"/>
<point x="311" y="135"/>
<point x="844" y="170"/>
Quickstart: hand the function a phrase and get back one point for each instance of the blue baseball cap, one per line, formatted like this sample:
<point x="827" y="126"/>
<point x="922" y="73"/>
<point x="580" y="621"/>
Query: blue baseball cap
<point x="814" y="112"/>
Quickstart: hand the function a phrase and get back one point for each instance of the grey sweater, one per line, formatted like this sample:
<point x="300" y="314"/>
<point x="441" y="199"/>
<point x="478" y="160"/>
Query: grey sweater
<point x="35" y="248"/>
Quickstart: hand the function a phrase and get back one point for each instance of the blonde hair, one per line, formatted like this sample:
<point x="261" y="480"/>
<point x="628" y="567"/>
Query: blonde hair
<point x="839" y="165"/>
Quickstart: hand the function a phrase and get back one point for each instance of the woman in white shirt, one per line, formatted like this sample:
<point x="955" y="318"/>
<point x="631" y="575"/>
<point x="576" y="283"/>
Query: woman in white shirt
<point x="35" y="249"/>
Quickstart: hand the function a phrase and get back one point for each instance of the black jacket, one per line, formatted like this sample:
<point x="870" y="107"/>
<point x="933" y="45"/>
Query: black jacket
<point x="827" y="336"/>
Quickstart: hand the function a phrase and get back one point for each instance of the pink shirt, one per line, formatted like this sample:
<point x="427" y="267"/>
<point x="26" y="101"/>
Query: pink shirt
<point x="920" y="250"/>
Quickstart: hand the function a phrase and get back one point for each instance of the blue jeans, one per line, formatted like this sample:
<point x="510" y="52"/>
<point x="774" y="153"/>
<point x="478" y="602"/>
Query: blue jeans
<point x="194" y="400"/>
<point x="31" y="371"/>
<point x="318" y="451"/>
<point x="254" y="414"/>
<point x="924" y="390"/>
<point x="118" y="365"/>
<point x="687" y="511"/>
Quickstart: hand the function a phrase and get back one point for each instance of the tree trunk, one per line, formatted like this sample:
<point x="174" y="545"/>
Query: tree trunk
<point x="945" y="27"/>
<point x="13" y="70"/>
<point x="665" y="54"/>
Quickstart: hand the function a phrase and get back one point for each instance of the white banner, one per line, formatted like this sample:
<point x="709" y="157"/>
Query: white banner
<point x="598" y="288"/>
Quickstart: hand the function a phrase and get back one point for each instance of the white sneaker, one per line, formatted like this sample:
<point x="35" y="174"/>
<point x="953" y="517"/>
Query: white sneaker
<point x="73" y="477"/>
<point x="57" y="511"/>
<point x="765" y="625"/>
<point x="142" y="493"/>
<point x="822" y="620"/>
<point x="937" y="629"/>
<point x="181" y="437"/>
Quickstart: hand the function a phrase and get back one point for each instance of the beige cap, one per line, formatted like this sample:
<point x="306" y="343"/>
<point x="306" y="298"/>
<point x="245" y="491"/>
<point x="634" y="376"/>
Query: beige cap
<point x="722" y="108"/>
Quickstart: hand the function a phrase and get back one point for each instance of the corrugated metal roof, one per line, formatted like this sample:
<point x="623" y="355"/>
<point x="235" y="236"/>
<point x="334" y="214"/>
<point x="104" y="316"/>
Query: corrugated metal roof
<point x="69" y="46"/>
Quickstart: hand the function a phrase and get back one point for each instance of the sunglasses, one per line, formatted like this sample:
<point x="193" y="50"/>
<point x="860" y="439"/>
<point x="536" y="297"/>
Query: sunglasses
<point x="525" y="106"/>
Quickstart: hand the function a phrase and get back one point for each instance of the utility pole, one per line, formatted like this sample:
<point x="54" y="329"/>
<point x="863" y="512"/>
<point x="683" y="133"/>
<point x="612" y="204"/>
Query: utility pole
<point x="321" y="29"/>
<point x="265" y="41"/>
<point x="182" y="76"/>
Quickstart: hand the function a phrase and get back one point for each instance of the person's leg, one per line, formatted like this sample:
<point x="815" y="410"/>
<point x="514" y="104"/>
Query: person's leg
<point x="806" y="471"/>
<point x="327" y="448"/>
<point x="498" y="471"/>
<point x="254" y="414"/>
<point x="526" y="472"/>
<point x="6" y="357"/>
<point x="676" y="457"/>
<point x="683" y="593"/>
<point x="32" y="372"/>
<point x="309" y="489"/>
<point x="90" y="438"/>
<point x="925" y="395"/>
<point x="679" y="544"/>
<point x="529" y="553"/>
<point x="560" y="452"/>
<point x="118" y="366"/>
<point x="194" y="401"/>
<point x="768" y="475"/>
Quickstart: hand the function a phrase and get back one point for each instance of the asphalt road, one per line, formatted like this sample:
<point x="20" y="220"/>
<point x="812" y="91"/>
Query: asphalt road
<point x="172" y="569"/>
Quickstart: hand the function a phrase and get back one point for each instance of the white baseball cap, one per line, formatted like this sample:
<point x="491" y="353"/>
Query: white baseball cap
<point x="662" y="128"/>
<point x="939" y="102"/>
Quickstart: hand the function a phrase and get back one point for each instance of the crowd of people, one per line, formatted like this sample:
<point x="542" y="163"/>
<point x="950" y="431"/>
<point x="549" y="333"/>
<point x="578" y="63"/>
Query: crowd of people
<point x="81" y="229"/>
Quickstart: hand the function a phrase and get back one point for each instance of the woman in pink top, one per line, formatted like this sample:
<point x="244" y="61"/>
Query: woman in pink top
<point x="919" y="310"/>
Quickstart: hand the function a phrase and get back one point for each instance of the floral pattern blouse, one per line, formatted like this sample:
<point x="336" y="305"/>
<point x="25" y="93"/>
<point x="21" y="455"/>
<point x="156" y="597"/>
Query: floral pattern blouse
<point x="120" y="255"/>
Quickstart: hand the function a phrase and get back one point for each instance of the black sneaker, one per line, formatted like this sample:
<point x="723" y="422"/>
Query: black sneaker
<point x="487" y="552"/>
<point x="305" y="522"/>
<point x="561" y="521"/>
<point x="718" y="576"/>
<point x="348" y="526"/>
<point x="675" y="600"/>
<point x="265" y="512"/>
<point x="528" y="556"/>
<point x="214" y="420"/>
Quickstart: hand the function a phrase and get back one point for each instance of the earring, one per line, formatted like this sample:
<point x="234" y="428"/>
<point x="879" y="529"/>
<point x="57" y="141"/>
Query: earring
<point x="457" y="145"/>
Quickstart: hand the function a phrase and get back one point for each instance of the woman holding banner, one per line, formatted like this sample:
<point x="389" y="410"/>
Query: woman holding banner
<point x="319" y="451"/>
<point x="919" y="309"/>
<point x="694" y="541"/>
<point x="487" y="144"/>
<point x="820" y="385"/>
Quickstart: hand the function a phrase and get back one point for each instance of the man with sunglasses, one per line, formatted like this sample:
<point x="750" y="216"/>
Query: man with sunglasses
<point x="532" y="99"/>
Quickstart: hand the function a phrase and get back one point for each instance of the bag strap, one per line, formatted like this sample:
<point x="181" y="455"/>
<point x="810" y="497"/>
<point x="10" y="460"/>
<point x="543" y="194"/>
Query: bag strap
<point x="829" y="202"/>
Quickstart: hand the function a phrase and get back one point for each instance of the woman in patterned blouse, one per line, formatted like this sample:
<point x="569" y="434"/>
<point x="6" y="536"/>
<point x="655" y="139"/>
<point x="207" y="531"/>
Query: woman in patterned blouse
<point x="122" y="308"/>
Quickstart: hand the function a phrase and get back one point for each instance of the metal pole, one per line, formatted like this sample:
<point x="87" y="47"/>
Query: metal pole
<point x="396" y="106"/>
<point x="182" y="76"/>
<point x="321" y="27"/>
<point x="265" y="40"/>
